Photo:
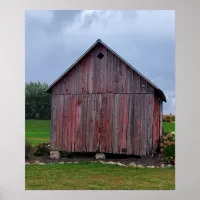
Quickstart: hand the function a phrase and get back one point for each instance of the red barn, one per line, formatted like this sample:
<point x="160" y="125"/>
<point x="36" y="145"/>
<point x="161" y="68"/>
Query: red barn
<point x="103" y="104"/>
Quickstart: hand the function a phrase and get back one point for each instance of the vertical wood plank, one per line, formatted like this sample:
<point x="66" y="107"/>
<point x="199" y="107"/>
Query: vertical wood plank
<point x="161" y="117"/>
<point x="117" y="124"/>
<point x="54" y="125"/>
<point x="125" y="122"/>
<point x="97" y="107"/>
<point x="130" y="131"/>
<point x="69" y="108"/>
<point x="109" y="116"/>
<point x="109" y="72"/>
<point x="87" y="124"/>
<point x="92" y="123"/>
<point x="142" y="120"/>
<point x="120" y="122"/>
<point x="146" y="118"/>
<point x="84" y="118"/>
<point x="115" y="74"/>
<point x="103" y="124"/>
<point x="151" y="123"/>
<point x="137" y="139"/>
<point x="90" y="74"/>
<point x="65" y="123"/>
<point x="60" y="130"/>
<point x="78" y="123"/>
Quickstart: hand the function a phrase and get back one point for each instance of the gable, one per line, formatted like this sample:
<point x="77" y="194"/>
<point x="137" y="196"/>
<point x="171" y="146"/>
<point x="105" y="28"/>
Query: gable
<point x="101" y="70"/>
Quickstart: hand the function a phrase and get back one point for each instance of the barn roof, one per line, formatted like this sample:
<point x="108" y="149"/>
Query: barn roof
<point x="160" y="92"/>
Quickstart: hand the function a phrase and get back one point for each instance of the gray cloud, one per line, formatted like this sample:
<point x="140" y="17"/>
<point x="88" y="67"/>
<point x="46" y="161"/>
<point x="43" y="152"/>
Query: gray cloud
<point x="146" y="39"/>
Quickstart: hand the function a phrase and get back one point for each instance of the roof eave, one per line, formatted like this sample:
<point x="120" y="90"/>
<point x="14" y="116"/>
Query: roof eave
<point x="162" y="95"/>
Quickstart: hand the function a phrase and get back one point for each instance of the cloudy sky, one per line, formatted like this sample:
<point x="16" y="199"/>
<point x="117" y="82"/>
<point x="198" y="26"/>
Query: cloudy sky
<point x="146" y="39"/>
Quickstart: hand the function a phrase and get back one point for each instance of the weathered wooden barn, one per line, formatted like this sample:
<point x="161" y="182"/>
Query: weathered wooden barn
<point x="103" y="104"/>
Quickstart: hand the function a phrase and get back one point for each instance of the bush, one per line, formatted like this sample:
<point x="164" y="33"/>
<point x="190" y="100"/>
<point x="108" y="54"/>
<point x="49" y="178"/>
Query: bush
<point x="167" y="148"/>
<point x="173" y="118"/>
<point x="169" y="118"/>
<point x="42" y="149"/>
<point x="37" y="101"/>
<point x="28" y="149"/>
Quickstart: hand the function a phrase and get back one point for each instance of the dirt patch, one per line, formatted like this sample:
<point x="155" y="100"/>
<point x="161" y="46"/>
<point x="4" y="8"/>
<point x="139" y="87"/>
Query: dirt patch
<point x="145" y="161"/>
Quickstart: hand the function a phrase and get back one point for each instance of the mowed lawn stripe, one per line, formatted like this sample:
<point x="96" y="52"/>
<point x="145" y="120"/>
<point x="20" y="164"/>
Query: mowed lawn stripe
<point x="92" y="176"/>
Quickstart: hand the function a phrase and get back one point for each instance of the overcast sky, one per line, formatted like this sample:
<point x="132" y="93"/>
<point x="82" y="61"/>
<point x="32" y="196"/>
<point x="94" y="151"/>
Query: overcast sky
<point x="146" y="39"/>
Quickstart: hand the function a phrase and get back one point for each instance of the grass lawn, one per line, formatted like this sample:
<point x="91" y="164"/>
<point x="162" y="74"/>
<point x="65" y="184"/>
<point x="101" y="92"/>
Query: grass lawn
<point x="93" y="176"/>
<point x="168" y="126"/>
<point x="38" y="131"/>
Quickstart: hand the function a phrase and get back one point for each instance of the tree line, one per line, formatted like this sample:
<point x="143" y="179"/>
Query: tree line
<point x="37" y="101"/>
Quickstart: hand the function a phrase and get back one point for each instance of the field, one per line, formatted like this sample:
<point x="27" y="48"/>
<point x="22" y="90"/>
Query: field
<point x="93" y="176"/>
<point x="38" y="131"/>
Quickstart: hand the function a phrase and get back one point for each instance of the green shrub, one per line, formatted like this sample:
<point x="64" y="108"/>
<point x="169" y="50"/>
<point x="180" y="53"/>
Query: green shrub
<point x="28" y="149"/>
<point x="167" y="148"/>
<point x="173" y="118"/>
<point x="169" y="118"/>
<point x="42" y="149"/>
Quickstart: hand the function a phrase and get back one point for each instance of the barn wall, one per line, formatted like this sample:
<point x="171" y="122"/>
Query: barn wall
<point x="110" y="74"/>
<point x="111" y="123"/>
<point x="103" y="105"/>
<point x="157" y="124"/>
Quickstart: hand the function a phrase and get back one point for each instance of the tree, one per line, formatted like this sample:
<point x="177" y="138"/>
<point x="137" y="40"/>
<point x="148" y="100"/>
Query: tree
<point x="37" y="101"/>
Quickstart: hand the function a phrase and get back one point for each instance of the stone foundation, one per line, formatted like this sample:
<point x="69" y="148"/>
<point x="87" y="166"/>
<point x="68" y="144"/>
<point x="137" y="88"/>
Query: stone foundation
<point x="100" y="156"/>
<point x="54" y="154"/>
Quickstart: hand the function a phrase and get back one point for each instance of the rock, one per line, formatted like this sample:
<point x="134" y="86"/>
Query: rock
<point x="169" y="166"/>
<point x="111" y="163"/>
<point x="54" y="154"/>
<point x="100" y="156"/>
<point x="132" y="164"/>
<point x="140" y="166"/>
<point x="150" y="166"/>
<point x="120" y="164"/>
<point x="61" y="162"/>
<point x="27" y="163"/>
<point x="41" y="163"/>
<point x="162" y="166"/>
<point x="75" y="162"/>
<point x="36" y="162"/>
<point x="102" y="162"/>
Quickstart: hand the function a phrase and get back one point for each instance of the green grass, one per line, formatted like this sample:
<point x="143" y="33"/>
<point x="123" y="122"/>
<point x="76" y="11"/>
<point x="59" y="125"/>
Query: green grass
<point x="168" y="126"/>
<point x="93" y="176"/>
<point x="38" y="131"/>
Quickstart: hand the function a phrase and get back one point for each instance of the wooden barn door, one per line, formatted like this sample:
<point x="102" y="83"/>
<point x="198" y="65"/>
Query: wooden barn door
<point x="114" y="123"/>
<point x="125" y="123"/>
